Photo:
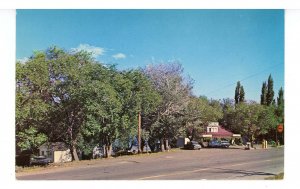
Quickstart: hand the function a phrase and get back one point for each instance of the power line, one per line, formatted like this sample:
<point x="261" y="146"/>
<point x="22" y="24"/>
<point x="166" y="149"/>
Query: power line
<point x="248" y="77"/>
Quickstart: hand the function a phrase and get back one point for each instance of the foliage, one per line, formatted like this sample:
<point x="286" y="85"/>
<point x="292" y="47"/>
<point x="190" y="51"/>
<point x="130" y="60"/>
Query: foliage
<point x="175" y="92"/>
<point x="239" y="93"/>
<point x="198" y="113"/>
<point x="251" y="120"/>
<point x="270" y="91"/>
<point x="263" y="97"/>
<point x="280" y="106"/>
<point x="30" y="139"/>
<point x="69" y="97"/>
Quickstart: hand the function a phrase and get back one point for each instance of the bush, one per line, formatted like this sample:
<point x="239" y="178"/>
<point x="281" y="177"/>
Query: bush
<point x="23" y="160"/>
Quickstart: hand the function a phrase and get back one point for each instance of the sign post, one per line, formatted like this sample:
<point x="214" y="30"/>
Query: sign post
<point x="279" y="130"/>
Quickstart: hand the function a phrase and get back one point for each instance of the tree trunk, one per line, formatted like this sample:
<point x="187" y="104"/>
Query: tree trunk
<point x="162" y="145"/>
<point x="107" y="149"/>
<point x="74" y="152"/>
<point x="193" y="134"/>
<point x="167" y="145"/>
<point x="251" y="141"/>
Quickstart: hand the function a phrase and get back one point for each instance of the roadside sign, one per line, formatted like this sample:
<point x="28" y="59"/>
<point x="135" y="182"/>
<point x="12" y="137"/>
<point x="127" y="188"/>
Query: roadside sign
<point x="280" y="128"/>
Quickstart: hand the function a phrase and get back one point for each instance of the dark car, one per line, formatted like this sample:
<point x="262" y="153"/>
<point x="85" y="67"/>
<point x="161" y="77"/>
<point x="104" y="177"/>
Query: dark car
<point x="39" y="160"/>
<point x="224" y="144"/>
<point x="214" y="144"/>
<point x="218" y="144"/>
<point x="193" y="145"/>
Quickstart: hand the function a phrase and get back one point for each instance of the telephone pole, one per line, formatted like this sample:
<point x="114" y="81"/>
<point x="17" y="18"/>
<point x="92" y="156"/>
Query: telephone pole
<point x="139" y="133"/>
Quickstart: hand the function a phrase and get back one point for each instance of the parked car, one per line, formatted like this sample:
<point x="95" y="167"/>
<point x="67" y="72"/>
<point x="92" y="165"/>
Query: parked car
<point x="146" y="148"/>
<point x="193" y="145"/>
<point x="214" y="144"/>
<point x="218" y="144"/>
<point x="134" y="149"/>
<point x="39" y="160"/>
<point x="224" y="144"/>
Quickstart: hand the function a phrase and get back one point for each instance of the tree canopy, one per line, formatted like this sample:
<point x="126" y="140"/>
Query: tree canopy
<point x="69" y="97"/>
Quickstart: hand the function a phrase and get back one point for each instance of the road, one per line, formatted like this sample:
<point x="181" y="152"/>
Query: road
<point x="209" y="164"/>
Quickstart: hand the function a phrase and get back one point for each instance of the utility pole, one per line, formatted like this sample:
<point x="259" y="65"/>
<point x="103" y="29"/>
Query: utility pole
<point x="139" y="133"/>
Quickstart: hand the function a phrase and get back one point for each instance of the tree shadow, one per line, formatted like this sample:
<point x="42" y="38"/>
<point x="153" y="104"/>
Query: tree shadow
<point x="245" y="173"/>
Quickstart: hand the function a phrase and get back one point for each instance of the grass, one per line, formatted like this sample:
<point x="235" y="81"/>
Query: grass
<point x="276" y="177"/>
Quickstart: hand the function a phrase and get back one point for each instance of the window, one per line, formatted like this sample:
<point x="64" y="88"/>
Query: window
<point x="43" y="153"/>
<point x="49" y="153"/>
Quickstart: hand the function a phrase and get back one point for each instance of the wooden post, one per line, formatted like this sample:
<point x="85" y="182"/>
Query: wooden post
<point x="276" y="143"/>
<point x="139" y="133"/>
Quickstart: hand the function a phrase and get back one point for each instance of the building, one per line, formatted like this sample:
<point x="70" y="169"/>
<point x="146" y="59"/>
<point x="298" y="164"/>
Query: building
<point x="214" y="131"/>
<point x="181" y="141"/>
<point x="58" y="152"/>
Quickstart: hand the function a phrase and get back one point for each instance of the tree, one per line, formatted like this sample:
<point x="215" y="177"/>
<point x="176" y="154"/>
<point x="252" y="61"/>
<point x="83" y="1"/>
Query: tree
<point x="251" y="120"/>
<point x="280" y="100"/>
<point x="242" y="95"/>
<point x="198" y="113"/>
<point x="175" y="92"/>
<point x="115" y="100"/>
<point x="263" y="96"/>
<point x="33" y="101"/>
<point x="144" y="100"/>
<point x="72" y="98"/>
<point x="30" y="139"/>
<point x="280" y="109"/>
<point x="102" y="109"/>
<point x="239" y="93"/>
<point x="51" y="90"/>
<point x="270" y="91"/>
<point x="280" y="105"/>
<point x="227" y="106"/>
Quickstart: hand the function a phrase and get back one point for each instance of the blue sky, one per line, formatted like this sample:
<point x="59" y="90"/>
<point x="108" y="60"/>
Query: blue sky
<point x="217" y="48"/>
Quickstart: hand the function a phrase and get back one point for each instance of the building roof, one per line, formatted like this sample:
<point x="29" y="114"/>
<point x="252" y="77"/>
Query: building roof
<point x="221" y="133"/>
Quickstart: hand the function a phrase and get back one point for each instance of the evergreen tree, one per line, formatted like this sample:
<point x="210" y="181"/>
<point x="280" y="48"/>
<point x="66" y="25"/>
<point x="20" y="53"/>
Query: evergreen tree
<point x="270" y="91"/>
<point x="280" y="106"/>
<point x="242" y="94"/>
<point x="237" y="92"/>
<point x="280" y="100"/>
<point x="263" y="97"/>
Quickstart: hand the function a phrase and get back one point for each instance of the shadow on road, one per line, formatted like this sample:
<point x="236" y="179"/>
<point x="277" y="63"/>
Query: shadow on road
<point x="245" y="173"/>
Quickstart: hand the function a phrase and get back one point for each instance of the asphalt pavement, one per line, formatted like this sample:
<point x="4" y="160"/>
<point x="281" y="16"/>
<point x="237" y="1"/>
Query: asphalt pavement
<point x="208" y="164"/>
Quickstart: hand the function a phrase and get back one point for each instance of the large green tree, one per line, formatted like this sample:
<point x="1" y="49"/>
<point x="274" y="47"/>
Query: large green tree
<point x="280" y="111"/>
<point x="116" y="99"/>
<point x="175" y="91"/>
<point x="280" y="106"/>
<point x="102" y="109"/>
<point x="239" y="95"/>
<point x="199" y="112"/>
<point x="251" y="120"/>
<point x="270" y="91"/>
<point x="33" y="101"/>
<point x="263" y="96"/>
<point x="51" y="90"/>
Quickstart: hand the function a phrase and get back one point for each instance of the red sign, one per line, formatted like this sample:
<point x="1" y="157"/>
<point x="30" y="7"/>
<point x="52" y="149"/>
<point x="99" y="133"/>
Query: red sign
<point x="280" y="128"/>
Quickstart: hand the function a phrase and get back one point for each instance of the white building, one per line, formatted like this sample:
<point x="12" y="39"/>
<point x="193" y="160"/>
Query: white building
<point x="58" y="152"/>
